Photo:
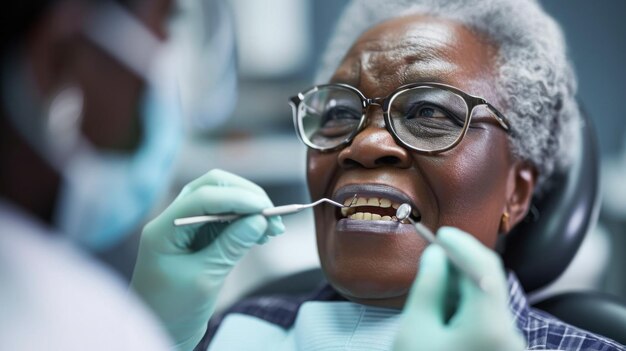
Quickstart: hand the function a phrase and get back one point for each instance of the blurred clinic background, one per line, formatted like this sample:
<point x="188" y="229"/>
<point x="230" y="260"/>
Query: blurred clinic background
<point x="278" y="44"/>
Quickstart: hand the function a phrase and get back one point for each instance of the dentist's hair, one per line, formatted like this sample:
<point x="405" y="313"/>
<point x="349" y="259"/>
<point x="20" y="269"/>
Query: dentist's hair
<point x="23" y="15"/>
<point x="535" y="80"/>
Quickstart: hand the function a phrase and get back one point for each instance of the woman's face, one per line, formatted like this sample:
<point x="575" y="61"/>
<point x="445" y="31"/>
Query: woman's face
<point x="469" y="187"/>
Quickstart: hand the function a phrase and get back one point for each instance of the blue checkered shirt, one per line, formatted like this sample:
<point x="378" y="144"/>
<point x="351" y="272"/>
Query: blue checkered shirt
<point x="545" y="332"/>
<point x="541" y="330"/>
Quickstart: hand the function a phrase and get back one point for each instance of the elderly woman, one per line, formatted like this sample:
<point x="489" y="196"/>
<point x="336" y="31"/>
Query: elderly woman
<point x="457" y="108"/>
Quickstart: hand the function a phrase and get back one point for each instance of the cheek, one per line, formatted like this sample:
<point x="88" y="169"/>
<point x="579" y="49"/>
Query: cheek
<point x="320" y="170"/>
<point x="470" y="185"/>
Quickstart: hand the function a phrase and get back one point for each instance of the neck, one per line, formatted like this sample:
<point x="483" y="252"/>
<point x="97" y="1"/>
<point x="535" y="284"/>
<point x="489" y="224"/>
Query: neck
<point x="26" y="179"/>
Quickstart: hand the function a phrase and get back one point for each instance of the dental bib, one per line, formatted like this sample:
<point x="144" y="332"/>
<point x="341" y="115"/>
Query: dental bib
<point x="318" y="326"/>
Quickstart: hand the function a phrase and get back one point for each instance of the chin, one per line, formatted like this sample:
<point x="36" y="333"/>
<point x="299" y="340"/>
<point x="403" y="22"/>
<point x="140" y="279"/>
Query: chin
<point x="385" y="291"/>
<point x="370" y="279"/>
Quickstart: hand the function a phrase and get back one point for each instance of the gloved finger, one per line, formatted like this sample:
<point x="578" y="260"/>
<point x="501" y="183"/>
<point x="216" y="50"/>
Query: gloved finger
<point x="214" y="200"/>
<point x="273" y="229"/>
<point x="478" y="258"/>
<point x="221" y="178"/>
<point x="222" y="196"/>
<point x="264" y="239"/>
<point x="193" y="238"/>
<point x="236" y="240"/>
<point x="426" y="304"/>
<point x="468" y="249"/>
<point x="164" y="236"/>
<point x="276" y="226"/>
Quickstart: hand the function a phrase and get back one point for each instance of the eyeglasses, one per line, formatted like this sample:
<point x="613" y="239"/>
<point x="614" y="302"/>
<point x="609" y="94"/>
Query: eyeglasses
<point x="425" y="117"/>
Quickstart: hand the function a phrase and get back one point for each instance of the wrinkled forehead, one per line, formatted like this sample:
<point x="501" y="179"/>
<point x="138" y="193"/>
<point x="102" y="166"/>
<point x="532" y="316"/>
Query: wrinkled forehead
<point x="418" y="48"/>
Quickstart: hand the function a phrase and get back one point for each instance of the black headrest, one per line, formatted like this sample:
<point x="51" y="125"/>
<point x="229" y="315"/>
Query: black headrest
<point x="540" y="248"/>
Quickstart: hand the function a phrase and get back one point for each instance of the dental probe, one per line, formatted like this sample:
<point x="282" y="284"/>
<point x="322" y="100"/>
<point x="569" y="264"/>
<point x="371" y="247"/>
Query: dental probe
<point x="268" y="212"/>
<point x="404" y="212"/>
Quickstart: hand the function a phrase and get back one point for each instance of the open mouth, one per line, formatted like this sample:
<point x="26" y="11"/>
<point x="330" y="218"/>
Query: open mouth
<point x="373" y="202"/>
<point x="373" y="209"/>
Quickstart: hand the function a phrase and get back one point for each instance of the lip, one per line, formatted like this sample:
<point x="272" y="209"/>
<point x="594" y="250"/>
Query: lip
<point x="375" y="227"/>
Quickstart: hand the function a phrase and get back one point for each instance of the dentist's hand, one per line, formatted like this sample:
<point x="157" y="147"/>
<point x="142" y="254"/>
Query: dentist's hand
<point x="180" y="270"/>
<point x="481" y="321"/>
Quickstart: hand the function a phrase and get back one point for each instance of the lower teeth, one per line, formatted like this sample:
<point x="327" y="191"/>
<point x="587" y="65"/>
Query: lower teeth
<point x="366" y="216"/>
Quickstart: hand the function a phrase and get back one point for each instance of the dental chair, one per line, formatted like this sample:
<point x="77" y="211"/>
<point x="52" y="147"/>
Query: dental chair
<point x="541" y="247"/>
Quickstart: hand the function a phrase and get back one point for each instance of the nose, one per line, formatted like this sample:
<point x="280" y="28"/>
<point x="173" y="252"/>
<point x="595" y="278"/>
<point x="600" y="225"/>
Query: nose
<point x="374" y="147"/>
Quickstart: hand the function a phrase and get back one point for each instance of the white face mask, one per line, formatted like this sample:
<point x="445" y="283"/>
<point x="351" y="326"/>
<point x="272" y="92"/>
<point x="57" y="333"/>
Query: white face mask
<point x="104" y="195"/>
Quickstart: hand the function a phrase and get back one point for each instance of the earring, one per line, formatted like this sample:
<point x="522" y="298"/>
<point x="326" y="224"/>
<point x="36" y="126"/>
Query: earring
<point x="504" y="222"/>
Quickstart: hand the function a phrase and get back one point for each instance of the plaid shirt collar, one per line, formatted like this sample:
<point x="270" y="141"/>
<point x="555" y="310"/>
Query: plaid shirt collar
<point x="541" y="330"/>
<point x="518" y="303"/>
<point x="545" y="332"/>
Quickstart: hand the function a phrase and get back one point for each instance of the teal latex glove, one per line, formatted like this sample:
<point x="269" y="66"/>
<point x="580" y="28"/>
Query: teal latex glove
<point x="480" y="321"/>
<point x="180" y="270"/>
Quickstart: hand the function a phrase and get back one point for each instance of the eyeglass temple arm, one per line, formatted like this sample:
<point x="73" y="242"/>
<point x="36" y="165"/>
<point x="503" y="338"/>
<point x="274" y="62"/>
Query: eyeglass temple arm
<point x="498" y="116"/>
<point x="294" y="102"/>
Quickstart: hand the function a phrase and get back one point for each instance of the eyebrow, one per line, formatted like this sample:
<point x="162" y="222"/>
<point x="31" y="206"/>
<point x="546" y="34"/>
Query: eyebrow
<point x="423" y="75"/>
<point x="419" y="65"/>
<point x="351" y="77"/>
<point x="434" y="71"/>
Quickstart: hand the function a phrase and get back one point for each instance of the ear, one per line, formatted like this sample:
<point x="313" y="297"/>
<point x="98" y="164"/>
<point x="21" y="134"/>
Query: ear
<point x="51" y="42"/>
<point x="520" y="188"/>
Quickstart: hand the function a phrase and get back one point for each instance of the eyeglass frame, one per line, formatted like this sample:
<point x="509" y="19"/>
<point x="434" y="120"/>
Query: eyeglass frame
<point x="471" y="103"/>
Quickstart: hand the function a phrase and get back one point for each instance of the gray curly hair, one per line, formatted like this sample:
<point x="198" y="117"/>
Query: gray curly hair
<point x="535" y="79"/>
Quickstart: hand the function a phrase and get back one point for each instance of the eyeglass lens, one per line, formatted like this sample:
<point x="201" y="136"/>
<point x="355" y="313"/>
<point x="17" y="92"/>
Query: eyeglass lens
<point x="427" y="118"/>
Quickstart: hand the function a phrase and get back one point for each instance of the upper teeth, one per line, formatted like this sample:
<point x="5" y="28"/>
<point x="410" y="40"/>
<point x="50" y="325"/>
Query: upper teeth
<point x="370" y="201"/>
<point x="352" y="213"/>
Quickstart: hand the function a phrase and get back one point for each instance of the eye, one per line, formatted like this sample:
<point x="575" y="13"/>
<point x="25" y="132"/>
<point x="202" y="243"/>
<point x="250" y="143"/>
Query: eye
<point x="340" y="113"/>
<point x="426" y="111"/>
